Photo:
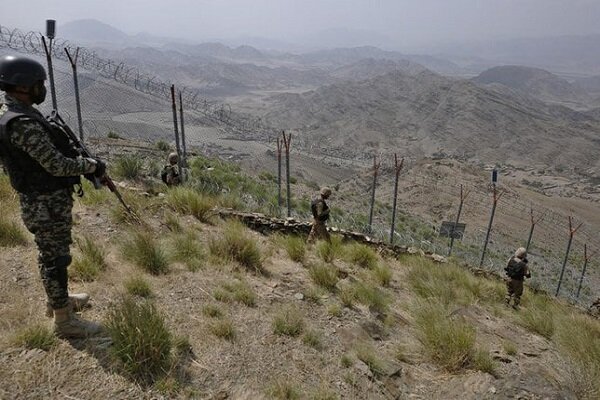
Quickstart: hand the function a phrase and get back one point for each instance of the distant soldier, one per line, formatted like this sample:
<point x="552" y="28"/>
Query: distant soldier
<point x="516" y="272"/>
<point x="170" y="173"/>
<point x="320" y="212"/>
<point x="43" y="167"/>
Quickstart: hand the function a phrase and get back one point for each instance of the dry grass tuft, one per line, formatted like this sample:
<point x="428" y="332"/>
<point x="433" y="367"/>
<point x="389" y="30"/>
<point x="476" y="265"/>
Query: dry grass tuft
<point x="295" y="246"/>
<point x="90" y="263"/>
<point x="223" y="329"/>
<point x="11" y="234"/>
<point x="238" y="291"/>
<point x="36" y="337"/>
<point x="288" y="321"/>
<point x="448" y="342"/>
<point x="188" y="201"/>
<point x="283" y="389"/>
<point x="324" y="276"/>
<point x="138" y="286"/>
<point x="236" y="245"/>
<point x="361" y="255"/>
<point x="146" y="253"/>
<point x="141" y="341"/>
<point x="187" y="250"/>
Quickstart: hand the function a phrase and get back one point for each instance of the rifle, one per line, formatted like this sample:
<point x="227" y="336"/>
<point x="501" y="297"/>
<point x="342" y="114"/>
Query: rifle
<point x="57" y="120"/>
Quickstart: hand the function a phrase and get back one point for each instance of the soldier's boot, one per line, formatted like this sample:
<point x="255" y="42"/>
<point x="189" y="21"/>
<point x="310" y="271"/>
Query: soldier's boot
<point x="507" y="300"/>
<point x="69" y="325"/>
<point x="517" y="303"/>
<point x="78" y="302"/>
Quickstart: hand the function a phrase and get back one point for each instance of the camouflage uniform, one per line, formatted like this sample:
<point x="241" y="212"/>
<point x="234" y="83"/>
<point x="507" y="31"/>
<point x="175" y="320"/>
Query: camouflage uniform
<point x="514" y="283"/>
<point x="170" y="173"/>
<point x="320" y="212"/>
<point x="46" y="213"/>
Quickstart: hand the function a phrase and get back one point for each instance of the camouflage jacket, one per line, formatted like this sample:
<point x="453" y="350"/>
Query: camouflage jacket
<point x="36" y="158"/>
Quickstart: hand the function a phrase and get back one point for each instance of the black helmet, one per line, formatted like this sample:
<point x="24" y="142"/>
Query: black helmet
<point x="20" y="71"/>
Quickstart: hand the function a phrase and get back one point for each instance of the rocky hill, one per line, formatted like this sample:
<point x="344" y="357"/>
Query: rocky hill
<point x="538" y="83"/>
<point x="427" y="113"/>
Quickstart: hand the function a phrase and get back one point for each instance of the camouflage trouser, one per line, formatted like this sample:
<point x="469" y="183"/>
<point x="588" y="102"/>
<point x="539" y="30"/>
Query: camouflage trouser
<point x="48" y="217"/>
<point x="514" y="290"/>
<point x="318" y="231"/>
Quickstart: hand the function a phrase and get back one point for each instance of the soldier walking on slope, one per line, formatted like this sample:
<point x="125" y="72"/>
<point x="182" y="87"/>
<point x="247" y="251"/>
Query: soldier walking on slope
<point x="320" y="212"/>
<point x="43" y="167"/>
<point x="170" y="173"/>
<point x="516" y="271"/>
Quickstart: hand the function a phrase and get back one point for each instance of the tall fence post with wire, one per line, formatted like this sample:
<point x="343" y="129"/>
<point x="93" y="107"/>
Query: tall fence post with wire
<point x="572" y="232"/>
<point x="397" y="169"/>
<point x="376" y="166"/>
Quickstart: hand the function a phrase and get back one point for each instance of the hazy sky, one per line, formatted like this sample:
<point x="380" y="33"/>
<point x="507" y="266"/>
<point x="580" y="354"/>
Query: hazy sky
<point x="407" y="23"/>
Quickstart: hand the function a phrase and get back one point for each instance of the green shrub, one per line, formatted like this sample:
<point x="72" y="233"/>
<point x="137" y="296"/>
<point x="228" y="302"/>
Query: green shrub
<point x="236" y="245"/>
<point x="223" y="329"/>
<point x="578" y="338"/>
<point x="145" y="252"/>
<point x="11" y="234"/>
<point x="163" y="146"/>
<point x="313" y="339"/>
<point x="188" y="201"/>
<point x="329" y="251"/>
<point x="382" y="274"/>
<point x="283" y="389"/>
<point x="36" y="337"/>
<point x="138" y="286"/>
<point x="377" y="300"/>
<point x="362" y="255"/>
<point x="324" y="276"/>
<point x="238" y="291"/>
<point x="509" y="347"/>
<point x="288" y="321"/>
<point x="483" y="361"/>
<point x="92" y="261"/>
<point x="93" y="196"/>
<point x="113" y="135"/>
<point x="213" y="311"/>
<point x="187" y="250"/>
<point x="128" y="167"/>
<point x="347" y="361"/>
<point x="538" y="316"/>
<point x="295" y="247"/>
<point x="140" y="338"/>
<point x="449" y="342"/>
<point x="367" y="354"/>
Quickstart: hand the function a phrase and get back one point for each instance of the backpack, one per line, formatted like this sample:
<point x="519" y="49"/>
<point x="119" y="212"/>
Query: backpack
<point x="515" y="269"/>
<point x="164" y="173"/>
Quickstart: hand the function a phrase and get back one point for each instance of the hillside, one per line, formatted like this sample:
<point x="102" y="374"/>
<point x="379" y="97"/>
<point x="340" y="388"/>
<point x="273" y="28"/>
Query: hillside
<point x="427" y="113"/>
<point x="537" y="83"/>
<point x="278" y="320"/>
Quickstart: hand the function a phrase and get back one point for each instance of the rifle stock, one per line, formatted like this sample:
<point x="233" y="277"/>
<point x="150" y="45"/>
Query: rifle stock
<point x="98" y="182"/>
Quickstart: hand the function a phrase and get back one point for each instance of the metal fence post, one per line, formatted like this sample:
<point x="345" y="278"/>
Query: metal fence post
<point x="73" y="62"/>
<point x="183" y="144"/>
<point x="279" y="148"/>
<point x="496" y="196"/>
<point x="533" y="224"/>
<point x="175" y="129"/>
<point x="463" y="197"/>
<point x="398" y="168"/>
<point x="572" y="232"/>
<point x="48" y="51"/>
<point x="586" y="258"/>
<point x="287" y="141"/>
<point x="376" y="166"/>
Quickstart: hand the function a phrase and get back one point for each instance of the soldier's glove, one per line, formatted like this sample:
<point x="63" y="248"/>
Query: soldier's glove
<point x="528" y="275"/>
<point x="100" y="168"/>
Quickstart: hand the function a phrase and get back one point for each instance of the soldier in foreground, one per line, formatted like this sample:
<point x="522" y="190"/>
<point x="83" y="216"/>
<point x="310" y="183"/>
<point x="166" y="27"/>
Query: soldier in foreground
<point x="516" y="271"/>
<point x="43" y="167"/>
<point x="170" y="173"/>
<point x="320" y="212"/>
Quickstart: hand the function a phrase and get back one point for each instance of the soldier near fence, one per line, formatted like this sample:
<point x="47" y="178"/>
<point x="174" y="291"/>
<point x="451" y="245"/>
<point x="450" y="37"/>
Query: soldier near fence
<point x="320" y="212"/>
<point x="170" y="173"/>
<point x="516" y="272"/>
<point x="43" y="167"/>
